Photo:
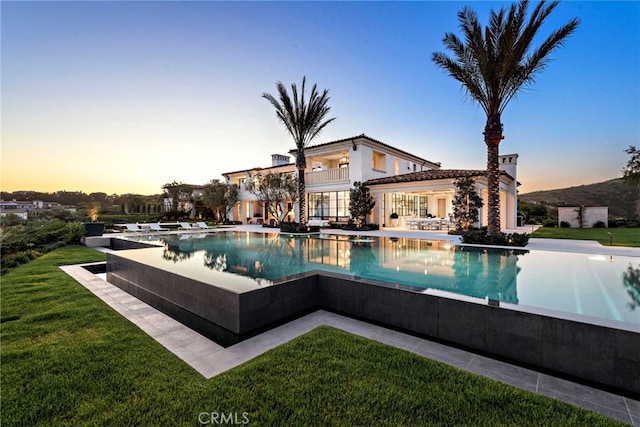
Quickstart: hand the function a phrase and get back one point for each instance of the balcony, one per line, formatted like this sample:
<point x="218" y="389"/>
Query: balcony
<point x="327" y="176"/>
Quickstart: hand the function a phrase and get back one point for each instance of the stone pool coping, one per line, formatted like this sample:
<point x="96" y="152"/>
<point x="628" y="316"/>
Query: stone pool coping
<point x="594" y="352"/>
<point x="597" y="353"/>
<point x="210" y="359"/>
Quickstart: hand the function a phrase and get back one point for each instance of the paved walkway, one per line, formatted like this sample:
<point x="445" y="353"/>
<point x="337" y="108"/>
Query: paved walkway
<point x="210" y="359"/>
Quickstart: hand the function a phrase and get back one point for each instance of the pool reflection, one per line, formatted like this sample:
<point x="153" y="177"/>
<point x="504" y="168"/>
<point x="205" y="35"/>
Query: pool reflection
<point x="631" y="280"/>
<point x="410" y="263"/>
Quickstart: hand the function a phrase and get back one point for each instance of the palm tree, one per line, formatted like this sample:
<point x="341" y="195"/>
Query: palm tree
<point x="304" y="121"/>
<point x="494" y="65"/>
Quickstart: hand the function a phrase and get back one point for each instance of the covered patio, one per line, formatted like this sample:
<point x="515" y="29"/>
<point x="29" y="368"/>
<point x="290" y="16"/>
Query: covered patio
<point x="424" y="200"/>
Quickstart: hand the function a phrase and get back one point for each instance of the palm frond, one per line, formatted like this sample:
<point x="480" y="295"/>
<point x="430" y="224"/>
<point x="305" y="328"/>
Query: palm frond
<point x="494" y="64"/>
<point x="304" y="119"/>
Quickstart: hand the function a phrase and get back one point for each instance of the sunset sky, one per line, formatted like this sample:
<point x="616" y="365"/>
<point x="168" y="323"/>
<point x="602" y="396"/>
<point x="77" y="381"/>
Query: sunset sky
<point x="123" y="97"/>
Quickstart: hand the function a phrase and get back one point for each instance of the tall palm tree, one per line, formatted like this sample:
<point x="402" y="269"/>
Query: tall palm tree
<point x="304" y="121"/>
<point x="496" y="63"/>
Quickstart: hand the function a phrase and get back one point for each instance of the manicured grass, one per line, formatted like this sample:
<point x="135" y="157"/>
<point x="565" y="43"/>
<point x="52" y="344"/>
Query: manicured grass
<point x="621" y="236"/>
<point x="68" y="359"/>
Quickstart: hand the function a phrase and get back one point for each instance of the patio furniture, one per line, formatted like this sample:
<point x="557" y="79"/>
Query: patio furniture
<point x="318" y="223"/>
<point x="413" y="224"/>
<point x="156" y="227"/>
<point x="203" y="226"/>
<point x="185" y="226"/>
<point x="433" y="224"/>
<point x="133" y="228"/>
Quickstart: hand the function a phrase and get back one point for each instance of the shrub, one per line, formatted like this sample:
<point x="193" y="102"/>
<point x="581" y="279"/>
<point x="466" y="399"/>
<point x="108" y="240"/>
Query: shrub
<point x="22" y="243"/>
<point x="613" y="224"/>
<point x="502" y="239"/>
<point x="294" y="227"/>
<point x="75" y="232"/>
<point x="518" y="239"/>
<point x="476" y="236"/>
<point x="599" y="224"/>
<point x="10" y="220"/>
<point x="549" y="223"/>
<point x="565" y="224"/>
<point x="632" y="224"/>
<point x="367" y="227"/>
<point x="9" y="262"/>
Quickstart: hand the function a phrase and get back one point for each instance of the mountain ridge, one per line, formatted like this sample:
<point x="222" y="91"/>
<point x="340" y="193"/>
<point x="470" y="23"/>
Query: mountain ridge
<point x="622" y="200"/>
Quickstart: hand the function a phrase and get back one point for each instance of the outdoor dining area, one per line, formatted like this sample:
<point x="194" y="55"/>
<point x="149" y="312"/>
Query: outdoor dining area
<point x="428" y="224"/>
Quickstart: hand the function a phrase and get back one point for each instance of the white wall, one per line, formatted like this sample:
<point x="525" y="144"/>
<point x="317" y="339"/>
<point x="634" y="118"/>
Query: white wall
<point x="591" y="215"/>
<point x="20" y="214"/>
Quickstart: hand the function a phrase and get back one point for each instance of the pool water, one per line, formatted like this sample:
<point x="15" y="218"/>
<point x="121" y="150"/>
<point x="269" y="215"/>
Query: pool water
<point x="582" y="285"/>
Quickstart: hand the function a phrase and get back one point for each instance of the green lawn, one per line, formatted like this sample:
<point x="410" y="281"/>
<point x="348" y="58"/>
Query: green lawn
<point x="621" y="236"/>
<point x="68" y="359"/>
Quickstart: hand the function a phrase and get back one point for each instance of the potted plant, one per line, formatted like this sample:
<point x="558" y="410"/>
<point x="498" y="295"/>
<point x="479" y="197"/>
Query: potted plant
<point x="394" y="219"/>
<point x="93" y="228"/>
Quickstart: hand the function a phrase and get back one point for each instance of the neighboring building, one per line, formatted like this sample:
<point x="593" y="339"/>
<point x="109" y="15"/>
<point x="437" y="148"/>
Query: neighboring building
<point x="26" y="207"/>
<point x="590" y="216"/>
<point x="400" y="182"/>
<point x="18" y="212"/>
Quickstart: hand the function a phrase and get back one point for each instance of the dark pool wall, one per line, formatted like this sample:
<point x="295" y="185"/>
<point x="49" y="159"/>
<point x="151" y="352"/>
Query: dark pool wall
<point x="596" y="353"/>
<point x="601" y="354"/>
<point x="121" y="244"/>
<point x="213" y="311"/>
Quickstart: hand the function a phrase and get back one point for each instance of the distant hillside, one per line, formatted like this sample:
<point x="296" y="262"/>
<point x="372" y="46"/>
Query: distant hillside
<point x="623" y="201"/>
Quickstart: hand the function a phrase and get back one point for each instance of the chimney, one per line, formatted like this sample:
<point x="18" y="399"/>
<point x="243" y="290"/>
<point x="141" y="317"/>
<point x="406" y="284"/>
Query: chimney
<point x="509" y="164"/>
<point x="279" y="160"/>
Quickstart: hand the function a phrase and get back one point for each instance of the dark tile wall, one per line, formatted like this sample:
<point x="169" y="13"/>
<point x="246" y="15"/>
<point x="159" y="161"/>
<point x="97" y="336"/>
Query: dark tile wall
<point x="596" y="353"/>
<point x="157" y="287"/>
<point x="121" y="244"/>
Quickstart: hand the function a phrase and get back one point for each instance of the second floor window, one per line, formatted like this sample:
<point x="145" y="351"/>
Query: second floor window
<point x="379" y="161"/>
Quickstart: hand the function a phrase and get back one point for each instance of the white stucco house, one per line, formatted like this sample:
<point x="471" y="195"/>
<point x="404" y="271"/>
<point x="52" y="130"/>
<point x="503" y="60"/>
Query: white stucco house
<point x="26" y="208"/>
<point x="400" y="182"/>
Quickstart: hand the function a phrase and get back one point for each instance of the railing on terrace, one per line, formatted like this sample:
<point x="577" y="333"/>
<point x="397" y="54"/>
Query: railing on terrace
<point x="325" y="176"/>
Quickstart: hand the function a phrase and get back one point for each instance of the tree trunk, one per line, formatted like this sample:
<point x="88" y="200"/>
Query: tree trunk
<point x="301" y="164"/>
<point x="302" y="197"/>
<point x="492" y="137"/>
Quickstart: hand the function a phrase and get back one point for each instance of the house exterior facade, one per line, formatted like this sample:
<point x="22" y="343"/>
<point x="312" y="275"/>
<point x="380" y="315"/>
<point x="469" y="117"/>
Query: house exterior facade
<point x="400" y="182"/>
<point x="27" y="208"/>
<point x="248" y="209"/>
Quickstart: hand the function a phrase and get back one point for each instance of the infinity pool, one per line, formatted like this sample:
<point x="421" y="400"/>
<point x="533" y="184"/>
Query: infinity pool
<point x="591" y="288"/>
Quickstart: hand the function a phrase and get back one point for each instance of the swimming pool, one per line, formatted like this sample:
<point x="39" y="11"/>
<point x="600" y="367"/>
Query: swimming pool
<point x="572" y="285"/>
<point x="575" y="314"/>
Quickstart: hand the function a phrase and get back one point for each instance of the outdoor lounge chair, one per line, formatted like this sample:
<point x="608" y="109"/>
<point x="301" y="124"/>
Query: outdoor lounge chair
<point x="135" y="228"/>
<point x="156" y="227"/>
<point x="185" y="226"/>
<point x="203" y="226"/>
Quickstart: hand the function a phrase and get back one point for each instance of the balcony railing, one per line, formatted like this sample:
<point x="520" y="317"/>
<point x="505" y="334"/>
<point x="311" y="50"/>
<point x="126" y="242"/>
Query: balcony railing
<point x="327" y="176"/>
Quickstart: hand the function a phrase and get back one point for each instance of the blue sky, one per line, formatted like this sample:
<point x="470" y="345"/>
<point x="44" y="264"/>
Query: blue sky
<point x="125" y="96"/>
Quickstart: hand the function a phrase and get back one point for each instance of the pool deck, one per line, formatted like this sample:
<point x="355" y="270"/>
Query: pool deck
<point x="211" y="359"/>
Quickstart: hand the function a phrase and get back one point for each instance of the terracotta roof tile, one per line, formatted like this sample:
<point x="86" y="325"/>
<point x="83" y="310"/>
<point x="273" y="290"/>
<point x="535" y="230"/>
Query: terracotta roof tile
<point x="429" y="175"/>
